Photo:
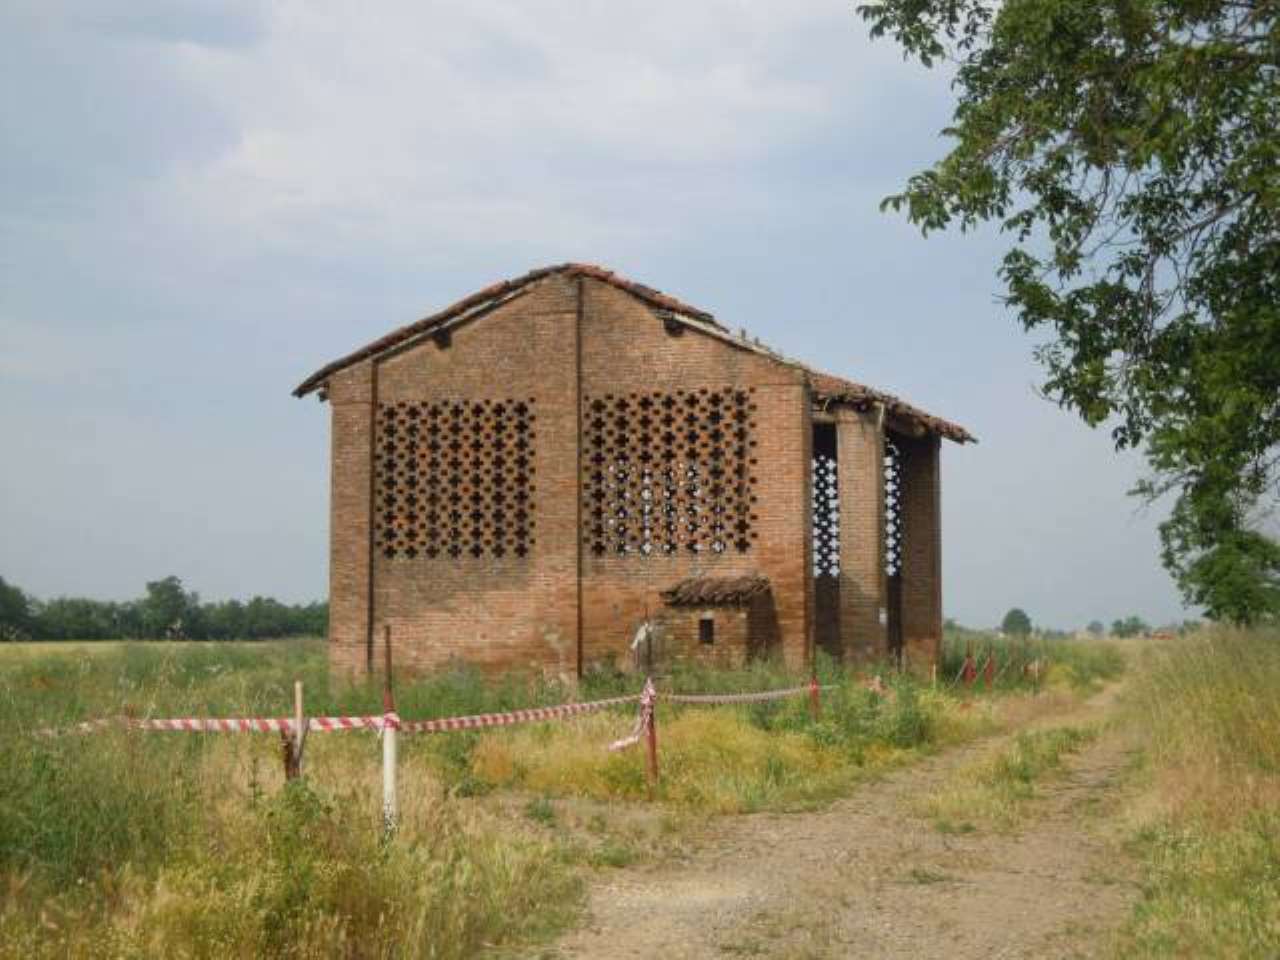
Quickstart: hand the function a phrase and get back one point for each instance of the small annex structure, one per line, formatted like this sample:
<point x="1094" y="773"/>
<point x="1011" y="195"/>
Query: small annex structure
<point x="560" y="463"/>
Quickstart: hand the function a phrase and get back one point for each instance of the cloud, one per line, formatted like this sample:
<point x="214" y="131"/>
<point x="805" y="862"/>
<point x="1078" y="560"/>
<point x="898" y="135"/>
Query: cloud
<point x="201" y="202"/>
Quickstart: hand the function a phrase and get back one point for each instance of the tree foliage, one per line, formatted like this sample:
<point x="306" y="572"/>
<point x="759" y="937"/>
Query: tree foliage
<point x="1131" y="626"/>
<point x="1016" y="623"/>
<point x="15" y="612"/>
<point x="1130" y="149"/>
<point x="167" y="611"/>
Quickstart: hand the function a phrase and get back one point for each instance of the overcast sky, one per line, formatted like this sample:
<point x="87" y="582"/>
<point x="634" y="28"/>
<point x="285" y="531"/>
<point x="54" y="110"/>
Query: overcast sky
<point x="202" y="202"/>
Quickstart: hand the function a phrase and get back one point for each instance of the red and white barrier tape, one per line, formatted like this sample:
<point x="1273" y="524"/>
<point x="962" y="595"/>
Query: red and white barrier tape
<point x="332" y="724"/>
<point x="224" y="724"/>
<point x="644" y="719"/>
<point x="647" y="699"/>
<point x="532" y="715"/>
<point x="715" y="698"/>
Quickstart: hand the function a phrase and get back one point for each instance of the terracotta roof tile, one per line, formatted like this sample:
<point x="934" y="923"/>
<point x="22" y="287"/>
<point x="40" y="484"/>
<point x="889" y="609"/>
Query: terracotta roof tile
<point x="491" y="296"/>
<point x="837" y="389"/>
<point x="825" y="386"/>
<point x="716" y="591"/>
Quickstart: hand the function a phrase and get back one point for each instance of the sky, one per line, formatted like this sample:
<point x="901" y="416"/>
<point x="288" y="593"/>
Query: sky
<point x="203" y="202"/>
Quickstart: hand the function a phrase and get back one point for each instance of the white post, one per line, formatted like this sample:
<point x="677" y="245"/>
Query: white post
<point x="298" y="732"/>
<point x="390" y="810"/>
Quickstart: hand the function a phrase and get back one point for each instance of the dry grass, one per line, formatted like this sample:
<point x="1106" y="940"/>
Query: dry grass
<point x="1207" y="823"/>
<point x="151" y="844"/>
<point x="197" y="848"/>
<point x="995" y="791"/>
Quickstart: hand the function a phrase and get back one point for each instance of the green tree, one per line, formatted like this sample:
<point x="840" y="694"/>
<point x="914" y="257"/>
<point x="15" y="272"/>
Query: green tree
<point x="1016" y="623"/>
<point x="1096" y="628"/>
<point x="1130" y="149"/>
<point x="167" y="608"/>
<point x="15" y="612"/>
<point x="1129" y="627"/>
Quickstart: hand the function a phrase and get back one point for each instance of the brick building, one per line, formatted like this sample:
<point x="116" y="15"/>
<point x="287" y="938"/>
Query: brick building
<point x="569" y="468"/>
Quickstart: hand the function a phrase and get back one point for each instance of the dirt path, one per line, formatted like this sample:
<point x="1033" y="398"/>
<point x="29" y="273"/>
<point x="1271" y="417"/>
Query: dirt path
<point x="868" y="877"/>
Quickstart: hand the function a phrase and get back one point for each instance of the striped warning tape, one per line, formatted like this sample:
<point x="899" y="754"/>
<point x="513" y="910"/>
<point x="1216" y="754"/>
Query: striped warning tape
<point x="715" y="698"/>
<point x="532" y="715"/>
<point x="646" y="699"/>
<point x="223" y="724"/>
<point x="644" y="720"/>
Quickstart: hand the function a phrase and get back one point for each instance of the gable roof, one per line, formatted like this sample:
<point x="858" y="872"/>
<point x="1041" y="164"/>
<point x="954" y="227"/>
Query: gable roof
<point x="826" y="387"/>
<point x="495" y="294"/>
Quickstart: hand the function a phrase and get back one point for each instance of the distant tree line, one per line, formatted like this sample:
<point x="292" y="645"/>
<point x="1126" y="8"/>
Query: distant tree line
<point x="1018" y="624"/>
<point x="167" y="611"/>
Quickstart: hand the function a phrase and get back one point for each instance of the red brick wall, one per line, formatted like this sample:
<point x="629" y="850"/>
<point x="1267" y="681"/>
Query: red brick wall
<point x="921" y="550"/>
<point x="626" y="350"/>
<point x="681" y="643"/>
<point x="351" y="436"/>
<point x="510" y="612"/>
<point x="860" y="453"/>
<point x="563" y="339"/>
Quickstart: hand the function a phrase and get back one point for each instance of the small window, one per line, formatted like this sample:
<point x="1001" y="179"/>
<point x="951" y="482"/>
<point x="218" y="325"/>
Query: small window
<point x="707" y="630"/>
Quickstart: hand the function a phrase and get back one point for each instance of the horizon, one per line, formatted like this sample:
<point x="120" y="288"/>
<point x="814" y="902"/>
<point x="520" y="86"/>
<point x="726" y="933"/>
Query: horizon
<point x="212" y="201"/>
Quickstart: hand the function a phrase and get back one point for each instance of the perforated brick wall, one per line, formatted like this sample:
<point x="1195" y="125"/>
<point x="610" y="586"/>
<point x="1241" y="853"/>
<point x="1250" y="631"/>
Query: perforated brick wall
<point x="469" y="516"/>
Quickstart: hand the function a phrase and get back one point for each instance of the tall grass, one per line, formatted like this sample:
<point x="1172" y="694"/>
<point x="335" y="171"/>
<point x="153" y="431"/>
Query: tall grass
<point x="1208" y="828"/>
<point x="125" y="845"/>
<point x="128" y="843"/>
<point x="1080" y="665"/>
<point x="995" y="790"/>
<point x="733" y="759"/>
<point x="133" y="844"/>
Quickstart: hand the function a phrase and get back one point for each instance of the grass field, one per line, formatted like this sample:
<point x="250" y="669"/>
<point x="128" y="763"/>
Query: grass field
<point x="148" y="844"/>
<point x="1206" y="824"/>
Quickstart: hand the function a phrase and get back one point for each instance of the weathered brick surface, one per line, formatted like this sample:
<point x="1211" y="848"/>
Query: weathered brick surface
<point x="680" y="641"/>
<point x="351" y="438"/>
<point x="513" y="612"/>
<point x="922" y="551"/>
<point x="861" y="590"/>
<point x="627" y="350"/>
<point x="562" y="608"/>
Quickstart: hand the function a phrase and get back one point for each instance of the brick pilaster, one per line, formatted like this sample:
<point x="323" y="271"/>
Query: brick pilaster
<point x="860" y="467"/>
<point x="922" y="550"/>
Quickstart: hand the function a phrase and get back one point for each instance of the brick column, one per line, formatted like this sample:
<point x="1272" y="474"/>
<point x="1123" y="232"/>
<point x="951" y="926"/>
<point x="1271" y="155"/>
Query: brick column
<point x="860" y="467"/>
<point x="922" y="550"/>
<point x="351" y="464"/>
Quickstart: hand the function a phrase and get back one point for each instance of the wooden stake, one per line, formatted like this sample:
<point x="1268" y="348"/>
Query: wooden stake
<point x="815" y="702"/>
<point x="652" y="740"/>
<point x="299" y="725"/>
<point x="390" y="809"/>
<point x="291" y="746"/>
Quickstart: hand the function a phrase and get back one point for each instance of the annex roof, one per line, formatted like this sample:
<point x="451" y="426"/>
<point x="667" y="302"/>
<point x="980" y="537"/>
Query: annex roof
<point x="716" y="591"/>
<point x="827" y="388"/>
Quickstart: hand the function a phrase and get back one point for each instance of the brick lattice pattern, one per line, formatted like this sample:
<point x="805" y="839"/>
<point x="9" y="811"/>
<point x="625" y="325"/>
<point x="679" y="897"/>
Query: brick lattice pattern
<point x="669" y="472"/>
<point x="454" y="478"/>
<point x="893" y="521"/>
<point x="826" y="516"/>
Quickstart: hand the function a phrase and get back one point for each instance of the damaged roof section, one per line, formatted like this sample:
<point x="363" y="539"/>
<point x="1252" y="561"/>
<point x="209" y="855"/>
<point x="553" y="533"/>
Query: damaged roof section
<point x="832" y="389"/>
<point x="827" y="389"/>
<point x="716" y="591"/>
<point x="495" y="294"/>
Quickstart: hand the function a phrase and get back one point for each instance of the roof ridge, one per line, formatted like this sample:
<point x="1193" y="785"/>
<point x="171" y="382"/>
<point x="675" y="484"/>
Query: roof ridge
<point x="498" y="291"/>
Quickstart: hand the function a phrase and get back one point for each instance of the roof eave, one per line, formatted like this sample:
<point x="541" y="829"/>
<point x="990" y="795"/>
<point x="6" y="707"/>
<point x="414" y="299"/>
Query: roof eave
<point x="493" y="296"/>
